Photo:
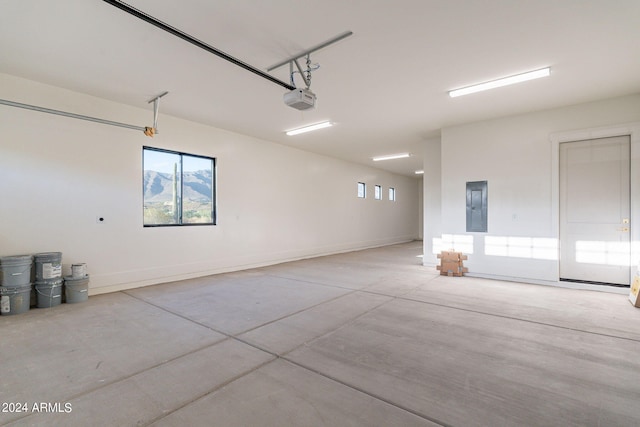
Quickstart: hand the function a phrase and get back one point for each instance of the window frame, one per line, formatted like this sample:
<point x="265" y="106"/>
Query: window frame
<point x="214" y="208"/>
<point x="377" y="192"/>
<point x="364" y="190"/>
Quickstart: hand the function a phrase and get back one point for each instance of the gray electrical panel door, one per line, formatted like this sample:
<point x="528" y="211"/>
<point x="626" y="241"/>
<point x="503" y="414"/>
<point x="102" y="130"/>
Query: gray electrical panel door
<point x="477" y="206"/>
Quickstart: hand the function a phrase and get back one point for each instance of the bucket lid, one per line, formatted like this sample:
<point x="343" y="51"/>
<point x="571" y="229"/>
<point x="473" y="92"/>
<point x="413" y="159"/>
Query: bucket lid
<point x="76" y="278"/>
<point x="49" y="282"/>
<point x="14" y="290"/>
<point x="15" y="259"/>
<point x="48" y="255"/>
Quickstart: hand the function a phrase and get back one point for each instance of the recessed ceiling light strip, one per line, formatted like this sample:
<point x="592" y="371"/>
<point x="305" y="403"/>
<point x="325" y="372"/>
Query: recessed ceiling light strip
<point x="501" y="82"/>
<point x="391" y="157"/>
<point x="184" y="36"/>
<point x="309" y="128"/>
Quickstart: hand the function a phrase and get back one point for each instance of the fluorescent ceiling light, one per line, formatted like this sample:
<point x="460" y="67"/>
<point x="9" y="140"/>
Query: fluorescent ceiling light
<point x="391" y="157"/>
<point x="419" y="172"/>
<point x="309" y="128"/>
<point x="501" y="82"/>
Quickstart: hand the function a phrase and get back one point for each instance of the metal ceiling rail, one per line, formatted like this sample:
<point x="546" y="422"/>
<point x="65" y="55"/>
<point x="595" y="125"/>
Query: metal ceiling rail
<point x="184" y="36"/>
<point x="156" y="109"/>
<point x="72" y="115"/>
<point x="310" y="50"/>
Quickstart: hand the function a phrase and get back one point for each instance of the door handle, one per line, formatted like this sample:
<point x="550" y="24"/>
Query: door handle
<point x="623" y="229"/>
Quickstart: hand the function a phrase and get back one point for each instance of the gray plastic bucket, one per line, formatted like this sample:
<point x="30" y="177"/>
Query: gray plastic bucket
<point x="79" y="270"/>
<point x="15" y="271"/>
<point x="49" y="293"/>
<point x="15" y="300"/>
<point x="48" y="265"/>
<point x="76" y="289"/>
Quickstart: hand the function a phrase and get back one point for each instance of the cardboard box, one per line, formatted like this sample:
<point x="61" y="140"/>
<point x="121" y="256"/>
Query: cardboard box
<point x="451" y="256"/>
<point x="635" y="291"/>
<point x="451" y="263"/>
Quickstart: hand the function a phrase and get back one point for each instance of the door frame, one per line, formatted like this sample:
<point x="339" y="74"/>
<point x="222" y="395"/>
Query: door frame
<point x="633" y="131"/>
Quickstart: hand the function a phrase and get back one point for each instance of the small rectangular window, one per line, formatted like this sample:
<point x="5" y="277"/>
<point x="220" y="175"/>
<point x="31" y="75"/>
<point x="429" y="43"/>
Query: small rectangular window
<point x="178" y="188"/>
<point x="362" y="190"/>
<point x="378" y="192"/>
<point x="392" y="194"/>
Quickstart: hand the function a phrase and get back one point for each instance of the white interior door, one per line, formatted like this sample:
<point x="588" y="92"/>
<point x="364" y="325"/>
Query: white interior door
<point x="594" y="210"/>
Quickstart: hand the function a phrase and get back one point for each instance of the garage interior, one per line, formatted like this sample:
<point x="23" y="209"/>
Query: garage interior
<point x="364" y="338"/>
<point x="308" y="293"/>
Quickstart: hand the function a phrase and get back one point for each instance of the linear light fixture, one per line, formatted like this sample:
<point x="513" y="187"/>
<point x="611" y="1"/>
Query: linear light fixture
<point x="309" y="128"/>
<point x="518" y="78"/>
<point x="391" y="157"/>
<point x="420" y="172"/>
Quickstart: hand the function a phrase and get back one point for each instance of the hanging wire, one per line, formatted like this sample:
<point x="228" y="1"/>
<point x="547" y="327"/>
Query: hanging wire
<point x="307" y="72"/>
<point x="308" y="81"/>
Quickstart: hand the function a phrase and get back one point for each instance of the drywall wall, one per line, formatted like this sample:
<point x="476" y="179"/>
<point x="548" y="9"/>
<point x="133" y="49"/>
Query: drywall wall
<point x="516" y="156"/>
<point x="420" y="209"/>
<point x="432" y="198"/>
<point x="275" y="203"/>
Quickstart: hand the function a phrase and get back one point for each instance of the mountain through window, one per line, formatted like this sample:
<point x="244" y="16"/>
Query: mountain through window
<point x="178" y="188"/>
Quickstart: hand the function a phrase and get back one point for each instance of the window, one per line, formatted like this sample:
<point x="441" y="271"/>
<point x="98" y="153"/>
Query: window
<point x="378" y="192"/>
<point x="362" y="190"/>
<point x="392" y="194"/>
<point x="178" y="188"/>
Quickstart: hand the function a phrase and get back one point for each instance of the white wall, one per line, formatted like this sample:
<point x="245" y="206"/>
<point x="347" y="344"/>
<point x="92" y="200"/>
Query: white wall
<point x="420" y="209"/>
<point x="275" y="203"/>
<point x="516" y="156"/>
<point x="432" y="196"/>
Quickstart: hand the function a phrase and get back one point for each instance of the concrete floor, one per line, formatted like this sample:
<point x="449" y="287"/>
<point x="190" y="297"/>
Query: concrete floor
<point x="368" y="338"/>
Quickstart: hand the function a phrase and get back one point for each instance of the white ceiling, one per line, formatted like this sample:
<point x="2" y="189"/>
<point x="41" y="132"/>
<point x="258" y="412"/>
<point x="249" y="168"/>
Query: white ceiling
<point x="385" y="86"/>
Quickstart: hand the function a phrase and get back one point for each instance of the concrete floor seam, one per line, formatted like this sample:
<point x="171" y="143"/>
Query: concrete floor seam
<point x="125" y="378"/>
<point x="365" y="290"/>
<point x="176" y="314"/>
<point x="275" y="276"/>
<point x="232" y="336"/>
<point x="502" y="316"/>
<point x="297" y="312"/>
<point x="283" y="357"/>
<point x="351" y="291"/>
<point x="351" y="386"/>
<point x="226" y="335"/>
<point x="347" y="323"/>
<point x="393" y="298"/>
<point x="164" y="362"/>
<point x="372" y="395"/>
<point x="277" y="356"/>
<point x="215" y="389"/>
<point x="350" y="321"/>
